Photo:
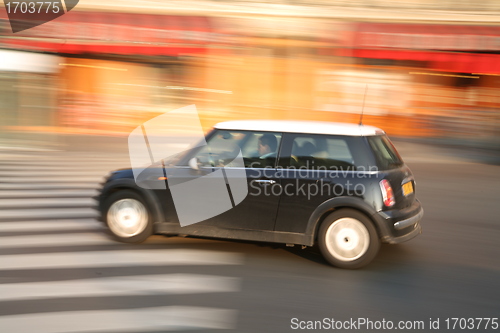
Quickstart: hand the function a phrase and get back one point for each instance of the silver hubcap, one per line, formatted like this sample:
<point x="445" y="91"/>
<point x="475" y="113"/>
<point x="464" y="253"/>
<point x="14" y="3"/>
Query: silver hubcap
<point x="127" y="217"/>
<point x="347" y="239"/>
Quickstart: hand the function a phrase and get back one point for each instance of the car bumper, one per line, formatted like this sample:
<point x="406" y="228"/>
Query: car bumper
<point x="412" y="221"/>
<point x="402" y="225"/>
<point x="416" y="230"/>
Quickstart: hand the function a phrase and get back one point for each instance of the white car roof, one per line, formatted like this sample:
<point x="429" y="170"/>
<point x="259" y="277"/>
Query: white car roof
<point x="309" y="127"/>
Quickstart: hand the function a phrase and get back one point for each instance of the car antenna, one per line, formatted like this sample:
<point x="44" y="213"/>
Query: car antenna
<point x="363" y="107"/>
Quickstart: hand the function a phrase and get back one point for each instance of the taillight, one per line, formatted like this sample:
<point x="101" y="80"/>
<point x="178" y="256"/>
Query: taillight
<point x="387" y="193"/>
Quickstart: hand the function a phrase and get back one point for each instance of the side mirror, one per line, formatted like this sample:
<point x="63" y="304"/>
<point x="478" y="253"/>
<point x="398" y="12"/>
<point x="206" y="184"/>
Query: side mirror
<point x="193" y="163"/>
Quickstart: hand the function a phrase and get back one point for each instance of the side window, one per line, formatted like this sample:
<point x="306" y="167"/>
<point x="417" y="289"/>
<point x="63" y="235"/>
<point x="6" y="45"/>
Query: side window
<point x="261" y="149"/>
<point x="221" y="149"/>
<point x="319" y="152"/>
<point x="385" y="153"/>
<point x="335" y="154"/>
<point x="303" y="148"/>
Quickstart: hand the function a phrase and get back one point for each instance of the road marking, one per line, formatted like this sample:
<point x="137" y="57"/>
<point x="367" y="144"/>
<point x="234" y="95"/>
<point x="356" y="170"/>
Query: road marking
<point x="119" y="258"/>
<point x="9" y="215"/>
<point x="70" y="239"/>
<point x="34" y="174"/>
<point x="64" y="193"/>
<point x="37" y="168"/>
<point x="55" y="240"/>
<point x="46" y="202"/>
<point x="51" y="179"/>
<point x="49" y="186"/>
<point x="165" y="318"/>
<point x="84" y="224"/>
<point x="120" y="286"/>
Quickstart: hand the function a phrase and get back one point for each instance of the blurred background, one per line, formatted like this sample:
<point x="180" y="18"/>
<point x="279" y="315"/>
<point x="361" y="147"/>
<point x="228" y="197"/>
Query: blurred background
<point x="430" y="69"/>
<point x="71" y="91"/>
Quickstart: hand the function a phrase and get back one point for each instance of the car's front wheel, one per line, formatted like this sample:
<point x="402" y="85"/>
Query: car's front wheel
<point x="127" y="217"/>
<point x="348" y="239"/>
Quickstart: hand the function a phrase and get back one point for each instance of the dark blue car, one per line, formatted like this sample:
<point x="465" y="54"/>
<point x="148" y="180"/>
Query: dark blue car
<point x="341" y="186"/>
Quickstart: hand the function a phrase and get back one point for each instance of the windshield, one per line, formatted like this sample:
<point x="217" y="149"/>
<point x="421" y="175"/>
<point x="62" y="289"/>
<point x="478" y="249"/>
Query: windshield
<point x="385" y="154"/>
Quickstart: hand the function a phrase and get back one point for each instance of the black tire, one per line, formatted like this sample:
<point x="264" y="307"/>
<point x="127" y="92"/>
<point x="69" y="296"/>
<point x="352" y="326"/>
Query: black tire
<point x="348" y="239"/>
<point x="141" y="225"/>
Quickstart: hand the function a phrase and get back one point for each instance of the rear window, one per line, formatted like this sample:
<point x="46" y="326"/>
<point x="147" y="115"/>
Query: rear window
<point x="328" y="152"/>
<point x="385" y="154"/>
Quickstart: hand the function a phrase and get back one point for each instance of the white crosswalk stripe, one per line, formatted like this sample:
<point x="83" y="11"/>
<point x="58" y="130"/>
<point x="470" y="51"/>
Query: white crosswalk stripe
<point x="165" y="318"/>
<point x="48" y="186"/>
<point x="54" y="225"/>
<point x="33" y="193"/>
<point x="54" y="240"/>
<point x="46" y="209"/>
<point x="23" y="213"/>
<point x="125" y="285"/>
<point x="44" y="202"/>
<point x="118" y="258"/>
<point x="52" y="179"/>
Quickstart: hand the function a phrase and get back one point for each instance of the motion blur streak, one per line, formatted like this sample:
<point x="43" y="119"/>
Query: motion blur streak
<point x="71" y="91"/>
<point x="130" y="61"/>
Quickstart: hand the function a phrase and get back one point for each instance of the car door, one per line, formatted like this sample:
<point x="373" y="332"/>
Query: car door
<point x="216" y="183"/>
<point x="315" y="168"/>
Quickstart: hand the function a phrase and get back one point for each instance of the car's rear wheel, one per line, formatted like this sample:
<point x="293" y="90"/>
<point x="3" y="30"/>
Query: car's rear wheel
<point x="348" y="239"/>
<point x="127" y="217"/>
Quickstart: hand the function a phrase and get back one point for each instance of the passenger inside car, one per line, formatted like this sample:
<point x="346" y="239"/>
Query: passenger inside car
<point x="305" y="155"/>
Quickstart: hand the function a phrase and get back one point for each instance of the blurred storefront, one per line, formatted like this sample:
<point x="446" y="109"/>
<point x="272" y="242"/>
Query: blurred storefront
<point x="28" y="96"/>
<point x="113" y="70"/>
<point x="273" y="72"/>
<point x="412" y="80"/>
<point x="447" y="75"/>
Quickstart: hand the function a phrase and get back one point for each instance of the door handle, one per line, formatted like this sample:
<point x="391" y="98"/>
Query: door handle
<point x="265" y="181"/>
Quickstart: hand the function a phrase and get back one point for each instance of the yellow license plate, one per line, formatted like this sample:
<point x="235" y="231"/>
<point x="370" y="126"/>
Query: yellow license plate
<point x="407" y="188"/>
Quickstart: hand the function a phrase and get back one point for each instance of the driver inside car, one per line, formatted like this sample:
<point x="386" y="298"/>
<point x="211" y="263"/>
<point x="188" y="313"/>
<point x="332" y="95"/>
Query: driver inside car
<point x="267" y="146"/>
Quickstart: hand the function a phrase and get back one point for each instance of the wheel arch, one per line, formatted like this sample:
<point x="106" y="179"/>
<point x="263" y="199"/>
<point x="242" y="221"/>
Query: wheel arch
<point x="149" y="197"/>
<point x="335" y="204"/>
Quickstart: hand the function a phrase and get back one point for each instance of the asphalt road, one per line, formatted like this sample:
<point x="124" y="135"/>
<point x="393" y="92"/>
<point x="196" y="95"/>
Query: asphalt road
<point x="450" y="271"/>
